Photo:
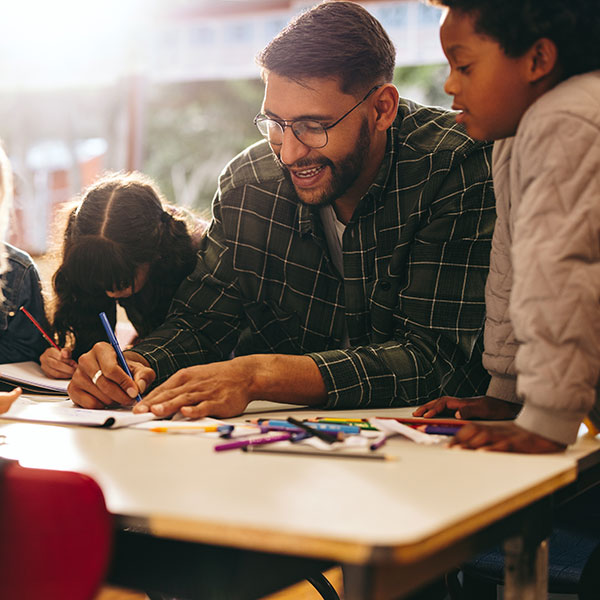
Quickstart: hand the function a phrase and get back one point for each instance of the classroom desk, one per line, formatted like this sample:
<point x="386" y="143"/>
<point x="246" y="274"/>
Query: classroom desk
<point x="392" y="525"/>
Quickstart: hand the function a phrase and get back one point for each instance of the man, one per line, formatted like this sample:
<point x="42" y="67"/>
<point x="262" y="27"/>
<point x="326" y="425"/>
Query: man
<point x="351" y="248"/>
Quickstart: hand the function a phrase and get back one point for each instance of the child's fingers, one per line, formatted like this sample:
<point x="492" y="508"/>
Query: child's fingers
<point x="7" y="398"/>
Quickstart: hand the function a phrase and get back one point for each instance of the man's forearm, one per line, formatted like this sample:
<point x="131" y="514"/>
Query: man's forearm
<point x="284" y="378"/>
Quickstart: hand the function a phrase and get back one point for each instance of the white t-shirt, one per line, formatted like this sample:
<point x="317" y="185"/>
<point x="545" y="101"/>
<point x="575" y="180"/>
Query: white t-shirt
<point x="334" y="230"/>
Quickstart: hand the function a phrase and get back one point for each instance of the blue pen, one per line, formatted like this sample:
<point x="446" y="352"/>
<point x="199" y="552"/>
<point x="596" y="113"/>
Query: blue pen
<point x="115" y="344"/>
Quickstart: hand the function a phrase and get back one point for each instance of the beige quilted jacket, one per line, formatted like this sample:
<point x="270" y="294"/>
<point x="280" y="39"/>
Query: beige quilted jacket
<point x="546" y="261"/>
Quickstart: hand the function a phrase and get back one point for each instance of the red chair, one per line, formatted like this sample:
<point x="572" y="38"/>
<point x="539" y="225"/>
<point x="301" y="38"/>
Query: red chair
<point x="55" y="535"/>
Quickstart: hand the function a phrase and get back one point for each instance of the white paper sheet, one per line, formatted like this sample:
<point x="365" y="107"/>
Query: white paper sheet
<point x="28" y="408"/>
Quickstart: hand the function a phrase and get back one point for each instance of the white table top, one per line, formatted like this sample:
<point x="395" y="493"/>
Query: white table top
<point x="344" y="510"/>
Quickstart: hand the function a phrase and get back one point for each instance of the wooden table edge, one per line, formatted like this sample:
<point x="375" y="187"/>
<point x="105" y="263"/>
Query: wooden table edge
<point x="338" y="550"/>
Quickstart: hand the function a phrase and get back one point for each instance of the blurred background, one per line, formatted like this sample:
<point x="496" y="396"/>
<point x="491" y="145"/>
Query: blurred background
<point x="167" y="87"/>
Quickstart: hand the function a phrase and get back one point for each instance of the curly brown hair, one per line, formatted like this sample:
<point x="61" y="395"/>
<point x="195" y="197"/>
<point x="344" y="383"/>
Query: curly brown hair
<point x="120" y="223"/>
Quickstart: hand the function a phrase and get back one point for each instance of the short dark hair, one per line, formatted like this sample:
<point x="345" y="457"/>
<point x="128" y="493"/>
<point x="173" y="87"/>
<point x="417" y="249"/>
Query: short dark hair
<point x="333" y="40"/>
<point x="573" y="25"/>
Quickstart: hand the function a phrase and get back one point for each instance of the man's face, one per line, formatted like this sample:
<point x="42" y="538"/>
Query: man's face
<point x="321" y="175"/>
<point x="491" y="89"/>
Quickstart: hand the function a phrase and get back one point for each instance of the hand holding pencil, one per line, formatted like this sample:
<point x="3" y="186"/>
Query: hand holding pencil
<point x="55" y="362"/>
<point x="99" y="380"/>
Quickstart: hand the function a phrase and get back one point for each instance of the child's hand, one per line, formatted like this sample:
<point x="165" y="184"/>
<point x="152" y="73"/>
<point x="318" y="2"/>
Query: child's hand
<point x="479" y="407"/>
<point x="7" y="398"/>
<point x="504" y="437"/>
<point x="58" y="364"/>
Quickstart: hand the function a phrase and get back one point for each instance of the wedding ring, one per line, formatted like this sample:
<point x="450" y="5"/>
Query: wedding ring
<point x="96" y="376"/>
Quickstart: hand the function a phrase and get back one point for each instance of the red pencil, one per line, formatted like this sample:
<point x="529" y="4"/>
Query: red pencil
<point x="30" y="317"/>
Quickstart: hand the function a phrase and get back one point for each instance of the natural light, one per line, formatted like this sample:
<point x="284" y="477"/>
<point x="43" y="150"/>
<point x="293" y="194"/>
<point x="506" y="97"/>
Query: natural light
<point x="66" y="42"/>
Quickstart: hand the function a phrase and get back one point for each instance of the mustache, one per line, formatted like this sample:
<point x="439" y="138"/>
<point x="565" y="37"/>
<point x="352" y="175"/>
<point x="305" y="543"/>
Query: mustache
<point x="304" y="162"/>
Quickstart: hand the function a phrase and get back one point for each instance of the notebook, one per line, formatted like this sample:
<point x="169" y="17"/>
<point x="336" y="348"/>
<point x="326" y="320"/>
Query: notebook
<point x="30" y="377"/>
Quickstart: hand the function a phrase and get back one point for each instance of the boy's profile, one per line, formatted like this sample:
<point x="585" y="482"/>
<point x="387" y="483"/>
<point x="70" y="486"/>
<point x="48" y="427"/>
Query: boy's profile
<point x="526" y="74"/>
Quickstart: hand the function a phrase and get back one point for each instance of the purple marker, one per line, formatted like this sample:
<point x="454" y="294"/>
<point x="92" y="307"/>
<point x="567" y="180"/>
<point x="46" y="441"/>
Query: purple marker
<point x="441" y="429"/>
<point x="253" y="442"/>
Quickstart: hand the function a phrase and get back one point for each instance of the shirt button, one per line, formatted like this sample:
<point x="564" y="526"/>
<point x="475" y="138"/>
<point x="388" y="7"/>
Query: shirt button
<point x="385" y="285"/>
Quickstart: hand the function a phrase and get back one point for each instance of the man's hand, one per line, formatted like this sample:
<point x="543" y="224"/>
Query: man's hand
<point x="479" y="407"/>
<point x="99" y="381"/>
<point x="221" y="389"/>
<point x="504" y="437"/>
<point x="7" y="398"/>
<point x="224" y="389"/>
<point x="58" y="363"/>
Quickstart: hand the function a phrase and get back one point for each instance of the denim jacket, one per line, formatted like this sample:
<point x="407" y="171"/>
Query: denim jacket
<point x="19" y="339"/>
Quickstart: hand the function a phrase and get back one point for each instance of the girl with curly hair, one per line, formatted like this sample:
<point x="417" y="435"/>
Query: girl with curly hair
<point x="122" y="244"/>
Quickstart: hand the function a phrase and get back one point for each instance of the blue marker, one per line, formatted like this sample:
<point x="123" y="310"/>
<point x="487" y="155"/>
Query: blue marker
<point x="327" y="427"/>
<point x="115" y="344"/>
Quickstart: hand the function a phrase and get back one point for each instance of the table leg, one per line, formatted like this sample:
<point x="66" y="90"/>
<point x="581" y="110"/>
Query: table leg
<point x="525" y="569"/>
<point x="178" y="569"/>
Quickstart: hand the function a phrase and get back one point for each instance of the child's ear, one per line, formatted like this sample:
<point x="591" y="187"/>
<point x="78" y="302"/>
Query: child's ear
<point x="543" y="59"/>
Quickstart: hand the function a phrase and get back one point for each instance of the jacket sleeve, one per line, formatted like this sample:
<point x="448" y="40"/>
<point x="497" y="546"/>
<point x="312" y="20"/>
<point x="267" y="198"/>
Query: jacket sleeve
<point x="21" y="341"/>
<point x="556" y="258"/>
<point x="499" y="339"/>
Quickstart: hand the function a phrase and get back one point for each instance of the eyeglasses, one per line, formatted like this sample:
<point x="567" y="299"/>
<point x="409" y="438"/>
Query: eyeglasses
<point x="311" y="133"/>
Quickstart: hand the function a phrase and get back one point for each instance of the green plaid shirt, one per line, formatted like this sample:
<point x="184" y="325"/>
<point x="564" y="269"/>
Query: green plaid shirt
<point x="416" y="255"/>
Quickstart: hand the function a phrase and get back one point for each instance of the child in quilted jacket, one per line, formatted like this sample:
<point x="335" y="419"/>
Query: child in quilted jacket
<point x="526" y="74"/>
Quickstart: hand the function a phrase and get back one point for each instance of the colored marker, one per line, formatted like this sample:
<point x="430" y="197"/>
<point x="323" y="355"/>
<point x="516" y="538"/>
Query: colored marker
<point x="194" y="429"/>
<point x="314" y="452"/>
<point x="434" y="429"/>
<point x="115" y="344"/>
<point x="318" y="433"/>
<point x="360" y="423"/>
<point x="40" y="329"/>
<point x="240" y="432"/>
<point x="439" y="429"/>
<point x="379" y="443"/>
<point x="327" y="427"/>
<point x="427" y="421"/>
<point x="342" y="420"/>
<point x="253" y="441"/>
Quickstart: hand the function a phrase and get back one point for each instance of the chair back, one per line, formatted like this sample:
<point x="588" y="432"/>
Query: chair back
<point x="55" y="535"/>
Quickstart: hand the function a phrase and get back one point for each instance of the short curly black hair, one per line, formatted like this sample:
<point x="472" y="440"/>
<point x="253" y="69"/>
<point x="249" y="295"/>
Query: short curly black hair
<point x="573" y="25"/>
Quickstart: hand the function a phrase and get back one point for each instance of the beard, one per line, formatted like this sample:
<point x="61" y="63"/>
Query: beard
<point x="344" y="173"/>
